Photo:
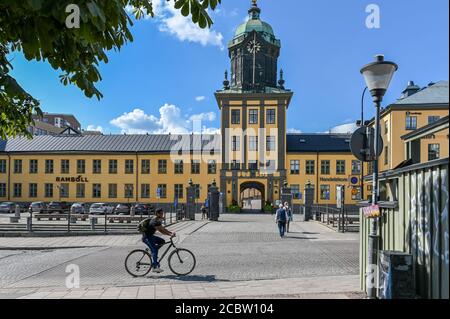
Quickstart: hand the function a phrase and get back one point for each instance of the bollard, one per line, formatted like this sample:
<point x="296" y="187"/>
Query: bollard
<point x="17" y="211"/>
<point x="29" y="224"/>
<point x="93" y="223"/>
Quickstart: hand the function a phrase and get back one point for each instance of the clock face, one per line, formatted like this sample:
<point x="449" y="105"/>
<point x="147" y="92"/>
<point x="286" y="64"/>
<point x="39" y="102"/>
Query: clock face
<point x="254" y="46"/>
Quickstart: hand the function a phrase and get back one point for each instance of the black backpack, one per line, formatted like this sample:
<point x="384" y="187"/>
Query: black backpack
<point x="143" y="225"/>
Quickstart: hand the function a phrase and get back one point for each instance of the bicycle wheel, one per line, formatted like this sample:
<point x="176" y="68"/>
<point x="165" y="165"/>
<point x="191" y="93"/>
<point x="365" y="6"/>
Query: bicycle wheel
<point x="138" y="263"/>
<point x="181" y="262"/>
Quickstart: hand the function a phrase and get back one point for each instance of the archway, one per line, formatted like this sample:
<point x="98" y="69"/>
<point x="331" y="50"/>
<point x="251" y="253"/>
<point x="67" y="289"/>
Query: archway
<point x="252" y="197"/>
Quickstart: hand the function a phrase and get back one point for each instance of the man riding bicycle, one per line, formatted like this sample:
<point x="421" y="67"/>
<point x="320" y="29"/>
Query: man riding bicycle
<point x="154" y="242"/>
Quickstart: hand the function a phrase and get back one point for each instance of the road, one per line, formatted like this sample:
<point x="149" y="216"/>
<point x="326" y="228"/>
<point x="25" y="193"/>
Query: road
<point x="238" y="249"/>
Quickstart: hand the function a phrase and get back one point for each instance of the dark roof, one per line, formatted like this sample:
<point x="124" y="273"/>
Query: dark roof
<point x="160" y="143"/>
<point x="110" y="143"/>
<point x="307" y="143"/>
<point x="436" y="93"/>
<point x="426" y="128"/>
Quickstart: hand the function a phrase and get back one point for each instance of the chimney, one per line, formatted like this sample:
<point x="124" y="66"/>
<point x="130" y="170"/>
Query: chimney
<point x="411" y="89"/>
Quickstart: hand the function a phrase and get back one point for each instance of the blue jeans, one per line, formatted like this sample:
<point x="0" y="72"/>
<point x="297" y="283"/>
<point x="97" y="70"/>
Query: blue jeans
<point x="282" y="228"/>
<point x="154" y="243"/>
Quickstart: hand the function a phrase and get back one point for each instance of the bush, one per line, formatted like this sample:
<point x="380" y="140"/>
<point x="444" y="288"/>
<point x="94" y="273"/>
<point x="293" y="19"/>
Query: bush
<point x="234" y="209"/>
<point x="269" y="207"/>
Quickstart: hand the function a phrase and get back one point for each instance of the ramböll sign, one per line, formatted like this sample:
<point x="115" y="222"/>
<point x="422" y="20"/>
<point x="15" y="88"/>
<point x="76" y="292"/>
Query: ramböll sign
<point x="78" y="179"/>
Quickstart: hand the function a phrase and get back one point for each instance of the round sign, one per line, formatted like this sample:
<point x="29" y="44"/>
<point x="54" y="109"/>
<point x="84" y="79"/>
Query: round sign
<point x="354" y="180"/>
<point x="361" y="144"/>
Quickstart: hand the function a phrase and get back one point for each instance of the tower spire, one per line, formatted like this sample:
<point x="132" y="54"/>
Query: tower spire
<point x="254" y="11"/>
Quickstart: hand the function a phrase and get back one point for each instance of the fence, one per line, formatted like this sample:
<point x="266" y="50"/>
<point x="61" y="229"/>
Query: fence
<point x="346" y="220"/>
<point x="418" y="225"/>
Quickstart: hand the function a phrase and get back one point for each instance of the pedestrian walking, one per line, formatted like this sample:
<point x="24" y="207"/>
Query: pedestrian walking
<point x="289" y="215"/>
<point x="204" y="212"/>
<point x="281" y="219"/>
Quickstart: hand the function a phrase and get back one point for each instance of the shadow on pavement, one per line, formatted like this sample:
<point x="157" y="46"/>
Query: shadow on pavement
<point x="208" y="278"/>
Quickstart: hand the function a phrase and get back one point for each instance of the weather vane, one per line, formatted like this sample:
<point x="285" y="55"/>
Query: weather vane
<point x="255" y="2"/>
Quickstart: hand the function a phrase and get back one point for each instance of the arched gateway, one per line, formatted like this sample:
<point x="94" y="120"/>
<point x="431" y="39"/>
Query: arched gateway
<point x="252" y="196"/>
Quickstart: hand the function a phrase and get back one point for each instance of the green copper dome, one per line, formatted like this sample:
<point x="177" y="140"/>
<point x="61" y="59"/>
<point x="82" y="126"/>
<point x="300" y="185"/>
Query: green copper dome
<point x="254" y="25"/>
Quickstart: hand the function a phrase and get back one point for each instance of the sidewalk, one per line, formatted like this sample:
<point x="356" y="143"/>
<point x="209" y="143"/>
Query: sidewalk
<point x="339" y="287"/>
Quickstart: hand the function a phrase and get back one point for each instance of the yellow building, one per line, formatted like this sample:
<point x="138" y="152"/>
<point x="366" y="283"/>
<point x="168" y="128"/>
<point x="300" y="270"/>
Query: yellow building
<point x="415" y="109"/>
<point x="253" y="156"/>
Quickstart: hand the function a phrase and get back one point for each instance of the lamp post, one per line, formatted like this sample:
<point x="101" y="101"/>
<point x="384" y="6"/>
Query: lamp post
<point x="378" y="76"/>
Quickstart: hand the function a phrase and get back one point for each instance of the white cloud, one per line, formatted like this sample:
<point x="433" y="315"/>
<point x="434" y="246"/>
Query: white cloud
<point x="171" y="21"/>
<point x="294" y="130"/>
<point x="344" y="129"/>
<point x="170" y="120"/>
<point x="200" y="98"/>
<point x="94" y="128"/>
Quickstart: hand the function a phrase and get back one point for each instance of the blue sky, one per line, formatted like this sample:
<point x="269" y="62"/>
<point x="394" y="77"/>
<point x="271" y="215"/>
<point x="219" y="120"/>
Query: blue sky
<point x="167" y="77"/>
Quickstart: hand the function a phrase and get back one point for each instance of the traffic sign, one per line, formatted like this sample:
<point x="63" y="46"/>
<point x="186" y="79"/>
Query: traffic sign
<point x="354" y="180"/>
<point x="362" y="144"/>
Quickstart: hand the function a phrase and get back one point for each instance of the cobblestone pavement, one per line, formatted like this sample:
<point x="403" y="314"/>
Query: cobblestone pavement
<point x="241" y="256"/>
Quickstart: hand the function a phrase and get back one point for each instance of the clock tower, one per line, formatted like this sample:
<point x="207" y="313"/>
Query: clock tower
<point x="253" y="108"/>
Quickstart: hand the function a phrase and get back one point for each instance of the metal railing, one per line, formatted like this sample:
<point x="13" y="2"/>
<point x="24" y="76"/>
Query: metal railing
<point x="343" y="220"/>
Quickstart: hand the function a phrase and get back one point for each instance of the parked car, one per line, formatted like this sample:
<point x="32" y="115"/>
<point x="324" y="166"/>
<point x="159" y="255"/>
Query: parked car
<point x="101" y="209"/>
<point x="7" y="208"/>
<point x="58" y="207"/>
<point x="122" y="209"/>
<point x="141" y="209"/>
<point x="78" y="208"/>
<point x="37" y="207"/>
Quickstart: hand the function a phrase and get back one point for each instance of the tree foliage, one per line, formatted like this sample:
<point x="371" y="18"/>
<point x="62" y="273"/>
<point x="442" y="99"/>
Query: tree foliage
<point x="38" y="29"/>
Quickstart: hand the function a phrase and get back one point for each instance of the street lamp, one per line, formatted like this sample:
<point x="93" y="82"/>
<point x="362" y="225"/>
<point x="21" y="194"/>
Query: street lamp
<point x="378" y="76"/>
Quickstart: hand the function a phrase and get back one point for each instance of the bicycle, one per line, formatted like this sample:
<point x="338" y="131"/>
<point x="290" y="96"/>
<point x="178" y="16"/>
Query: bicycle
<point x="138" y="263"/>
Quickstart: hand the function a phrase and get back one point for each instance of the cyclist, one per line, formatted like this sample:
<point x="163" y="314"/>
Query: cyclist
<point x="154" y="242"/>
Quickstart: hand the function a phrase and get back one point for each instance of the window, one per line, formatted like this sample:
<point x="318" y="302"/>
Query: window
<point x="370" y="168"/>
<point x="17" y="190"/>
<point x="64" y="190"/>
<point x="179" y="166"/>
<point x="253" y="165"/>
<point x="112" y="166"/>
<point x="295" y="167"/>
<point x="178" y="191"/>
<point x="212" y="167"/>
<point x="236" y="143"/>
<point x="386" y="155"/>
<point x="112" y="190"/>
<point x="65" y="166"/>
<point x="49" y="166"/>
<point x="411" y="123"/>
<point x="17" y="166"/>
<point x="310" y="167"/>
<point x="2" y="166"/>
<point x="97" y="166"/>
<point x="253" y="117"/>
<point x="340" y="167"/>
<point x="195" y="167"/>
<point x="48" y="190"/>
<point x="235" y="116"/>
<point x="96" y="190"/>
<point x="145" y="191"/>
<point x="236" y="165"/>
<point x="434" y="151"/>
<point x="129" y="190"/>
<point x="33" y="166"/>
<point x="81" y="166"/>
<point x="253" y="143"/>
<point x="325" y="167"/>
<point x="162" y="166"/>
<point x="270" y="143"/>
<point x="356" y="167"/>
<point x="295" y="190"/>
<point x="33" y="190"/>
<point x="161" y="191"/>
<point x="129" y="166"/>
<point x="2" y="190"/>
<point x="81" y="190"/>
<point x="386" y="127"/>
<point x="325" y="192"/>
<point x="270" y="116"/>
<point x="432" y="119"/>
<point x="145" y="166"/>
